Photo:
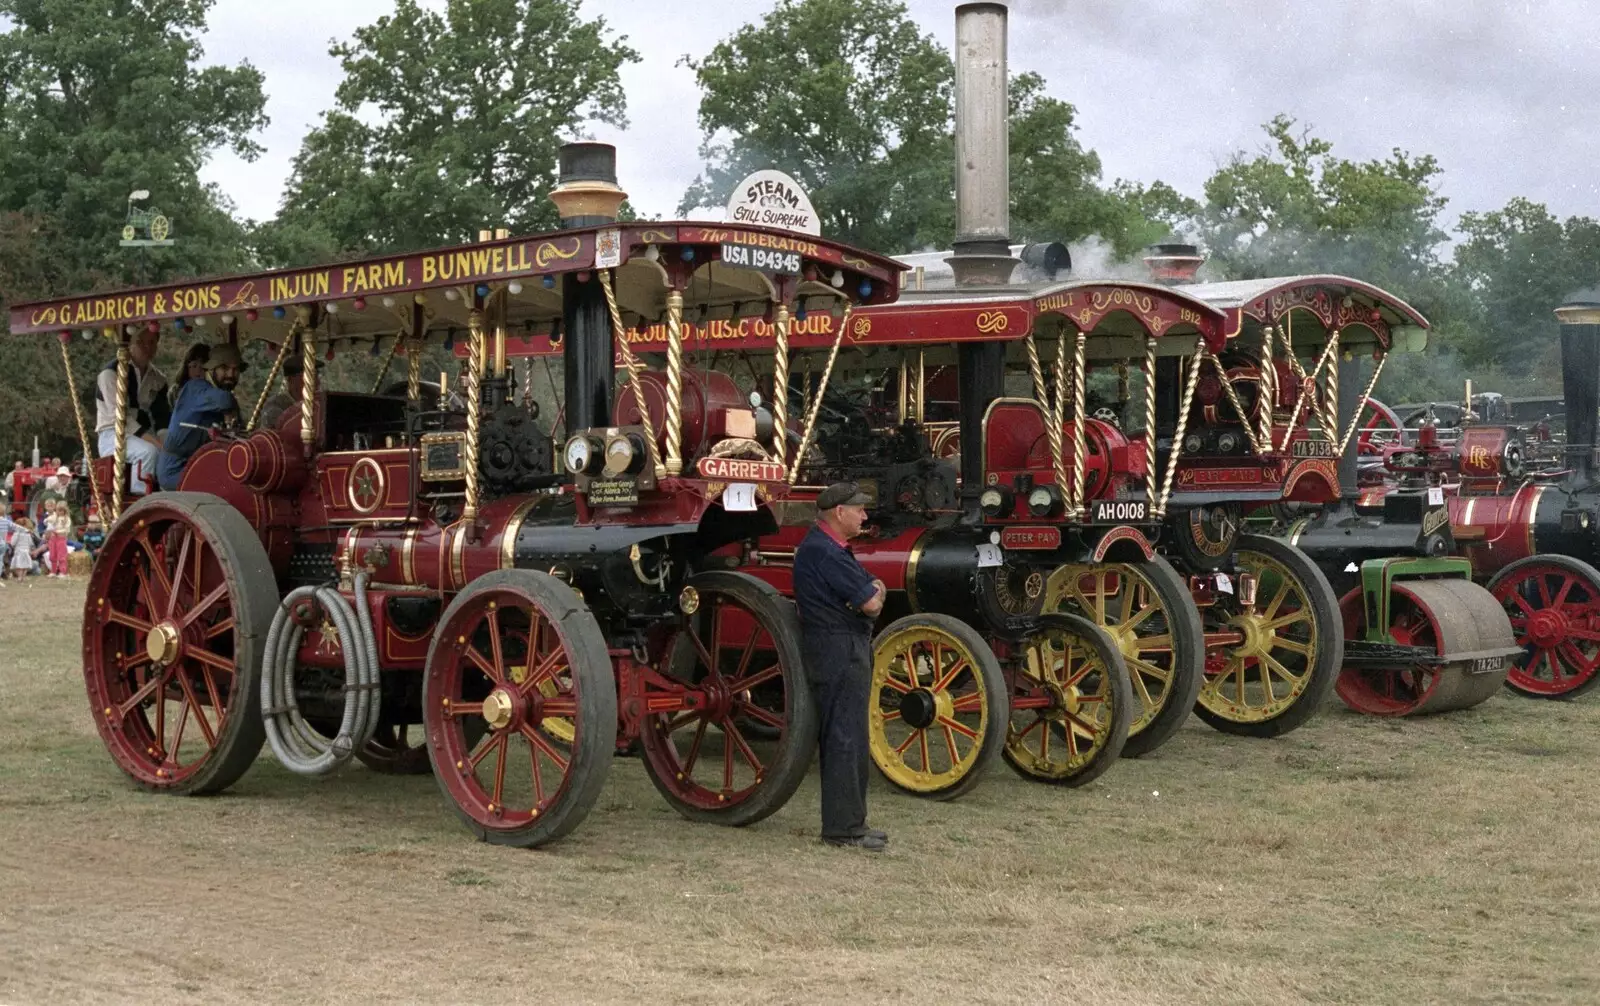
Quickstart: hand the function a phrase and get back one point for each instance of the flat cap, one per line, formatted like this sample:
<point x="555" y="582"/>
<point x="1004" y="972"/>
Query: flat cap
<point x="842" y="494"/>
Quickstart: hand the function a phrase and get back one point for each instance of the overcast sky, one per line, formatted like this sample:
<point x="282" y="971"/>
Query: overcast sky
<point x="1505" y="93"/>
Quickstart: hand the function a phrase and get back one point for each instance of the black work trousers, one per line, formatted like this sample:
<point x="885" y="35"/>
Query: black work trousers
<point x="839" y="668"/>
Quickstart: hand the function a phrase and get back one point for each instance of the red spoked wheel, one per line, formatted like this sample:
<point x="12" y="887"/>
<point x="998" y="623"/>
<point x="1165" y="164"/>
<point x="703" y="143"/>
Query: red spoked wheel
<point x="1446" y="616"/>
<point x="1380" y="427"/>
<point x="173" y="632"/>
<point x="518" y="663"/>
<point x="1553" y="602"/>
<point x="740" y="752"/>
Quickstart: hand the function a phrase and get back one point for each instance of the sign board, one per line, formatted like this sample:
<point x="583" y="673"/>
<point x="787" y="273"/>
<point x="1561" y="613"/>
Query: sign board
<point x="770" y="198"/>
<point x="1031" y="538"/>
<point x="737" y="469"/>
<point x="623" y="492"/>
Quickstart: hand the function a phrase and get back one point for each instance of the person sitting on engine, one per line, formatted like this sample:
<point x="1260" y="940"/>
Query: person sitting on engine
<point x="201" y="406"/>
<point x="288" y="400"/>
<point x="147" y="409"/>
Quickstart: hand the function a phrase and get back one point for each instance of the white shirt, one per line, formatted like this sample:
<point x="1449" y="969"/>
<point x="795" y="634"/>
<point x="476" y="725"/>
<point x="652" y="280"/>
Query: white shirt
<point x="143" y="389"/>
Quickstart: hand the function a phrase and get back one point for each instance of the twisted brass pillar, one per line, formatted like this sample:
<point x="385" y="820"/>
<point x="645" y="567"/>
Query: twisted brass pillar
<point x="1079" y="447"/>
<point x="119" y="430"/>
<point x="822" y="389"/>
<point x="674" y="463"/>
<point x="308" y="390"/>
<point x="620" y="336"/>
<point x="469" y="451"/>
<point x="780" y="384"/>
<point x="272" y="377"/>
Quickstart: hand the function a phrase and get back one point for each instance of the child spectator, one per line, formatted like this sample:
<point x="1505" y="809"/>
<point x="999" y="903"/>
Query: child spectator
<point x="93" y="536"/>
<point x="7" y="529"/>
<point x="58" y="528"/>
<point x="22" y="547"/>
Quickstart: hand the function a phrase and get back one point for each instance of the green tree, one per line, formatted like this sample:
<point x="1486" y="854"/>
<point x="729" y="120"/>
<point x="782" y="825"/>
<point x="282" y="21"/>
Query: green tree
<point x="1297" y="208"/>
<point x="1055" y="182"/>
<point x="98" y="99"/>
<point x="849" y="98"/>
<point x="446" y="122"/>
<point x="1520" y="262"/>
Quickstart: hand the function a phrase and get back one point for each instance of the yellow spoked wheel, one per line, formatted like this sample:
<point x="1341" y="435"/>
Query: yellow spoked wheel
<point x="1070" y="702"/>
<point x="1151" y="617"/>
<point x="1282" y="654"/>
<point x="937" y="705"/>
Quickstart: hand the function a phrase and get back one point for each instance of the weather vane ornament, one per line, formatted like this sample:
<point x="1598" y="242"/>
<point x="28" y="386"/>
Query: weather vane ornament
<point x="146" y="228"/>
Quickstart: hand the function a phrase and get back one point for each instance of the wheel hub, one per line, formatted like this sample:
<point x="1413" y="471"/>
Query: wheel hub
<point x="163" y="644"/>
<point x="1257" y="641"/>
<point x="1547" y="627"/>
<point x="919" y="708"/>
<point x="498" y="709"/>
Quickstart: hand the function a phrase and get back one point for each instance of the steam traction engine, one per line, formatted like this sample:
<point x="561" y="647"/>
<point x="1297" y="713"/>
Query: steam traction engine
<point x="1530" y="529"/>
<point x="1418" y="635"/>
<point x="372" y="562"/>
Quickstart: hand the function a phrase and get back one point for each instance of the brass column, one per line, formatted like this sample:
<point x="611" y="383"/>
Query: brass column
<point x="308" y="386"/>
<point x="469" y="450"/>
<point x="119" y="432"/>
<point x="780" y="383"/>
<point x="674" y="462"/>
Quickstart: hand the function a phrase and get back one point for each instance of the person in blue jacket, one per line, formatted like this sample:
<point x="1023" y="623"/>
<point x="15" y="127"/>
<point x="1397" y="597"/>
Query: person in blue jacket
<point x="201" y="405"/>
<point x="838" y="602"/>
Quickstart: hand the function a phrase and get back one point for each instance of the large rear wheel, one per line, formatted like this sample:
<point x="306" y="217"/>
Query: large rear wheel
<point x="517" y="663"/>
<point x="937" y="711"/>
<point x="1284" y="651"/>
<point x="1071" y="703"/>
<point x="173" y="634"/>
<point x="1151" y="616"/>
<point x="741" y="752"/>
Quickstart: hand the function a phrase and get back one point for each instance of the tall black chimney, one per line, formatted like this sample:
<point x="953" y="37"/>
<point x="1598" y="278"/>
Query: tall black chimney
<point x="982" y="253"/>
<point x="1580" y="377"/>
<point x="586" y="194"/>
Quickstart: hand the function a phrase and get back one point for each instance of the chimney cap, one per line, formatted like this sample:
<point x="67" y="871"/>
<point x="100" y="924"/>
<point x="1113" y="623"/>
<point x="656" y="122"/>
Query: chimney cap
<point x="1583" y="298"/>
<point x="586" y="161"/>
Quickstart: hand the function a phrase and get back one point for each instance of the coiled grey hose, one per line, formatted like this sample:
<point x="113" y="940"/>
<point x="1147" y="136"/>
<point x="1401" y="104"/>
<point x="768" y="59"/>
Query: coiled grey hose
<point x="298" y="745"/>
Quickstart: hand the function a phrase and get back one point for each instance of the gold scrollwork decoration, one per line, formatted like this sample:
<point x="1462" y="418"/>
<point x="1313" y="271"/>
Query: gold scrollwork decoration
<point x="990" y="322"/>
<point x="549" y="252"/>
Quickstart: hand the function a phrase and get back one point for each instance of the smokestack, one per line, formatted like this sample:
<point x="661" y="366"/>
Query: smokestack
<point x="586" y="192"/>
<point x="982" y="254"/>
<point x="1580" y="376"/>
<point x="587" y="195"/>
<point x="983" y="147"/>
<point x="1173" y="263"/>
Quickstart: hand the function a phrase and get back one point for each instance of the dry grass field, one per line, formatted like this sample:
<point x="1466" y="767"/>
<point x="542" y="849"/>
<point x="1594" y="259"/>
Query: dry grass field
<point x="1452" y="860"/>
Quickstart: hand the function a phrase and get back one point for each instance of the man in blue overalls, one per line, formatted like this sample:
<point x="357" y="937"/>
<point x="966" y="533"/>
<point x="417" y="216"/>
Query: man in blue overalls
<point x="838" y="602"/>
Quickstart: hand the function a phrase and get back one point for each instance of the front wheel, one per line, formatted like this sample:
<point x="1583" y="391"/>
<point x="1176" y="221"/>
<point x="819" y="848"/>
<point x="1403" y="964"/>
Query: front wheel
<point x="1150" y="614"/>
<point x="517" y="663"/>
<point x="1282" y="654"/>
<point x="1071" y="703"/>
<point x="740" y="752"/>
<point x="937" y="706"/>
